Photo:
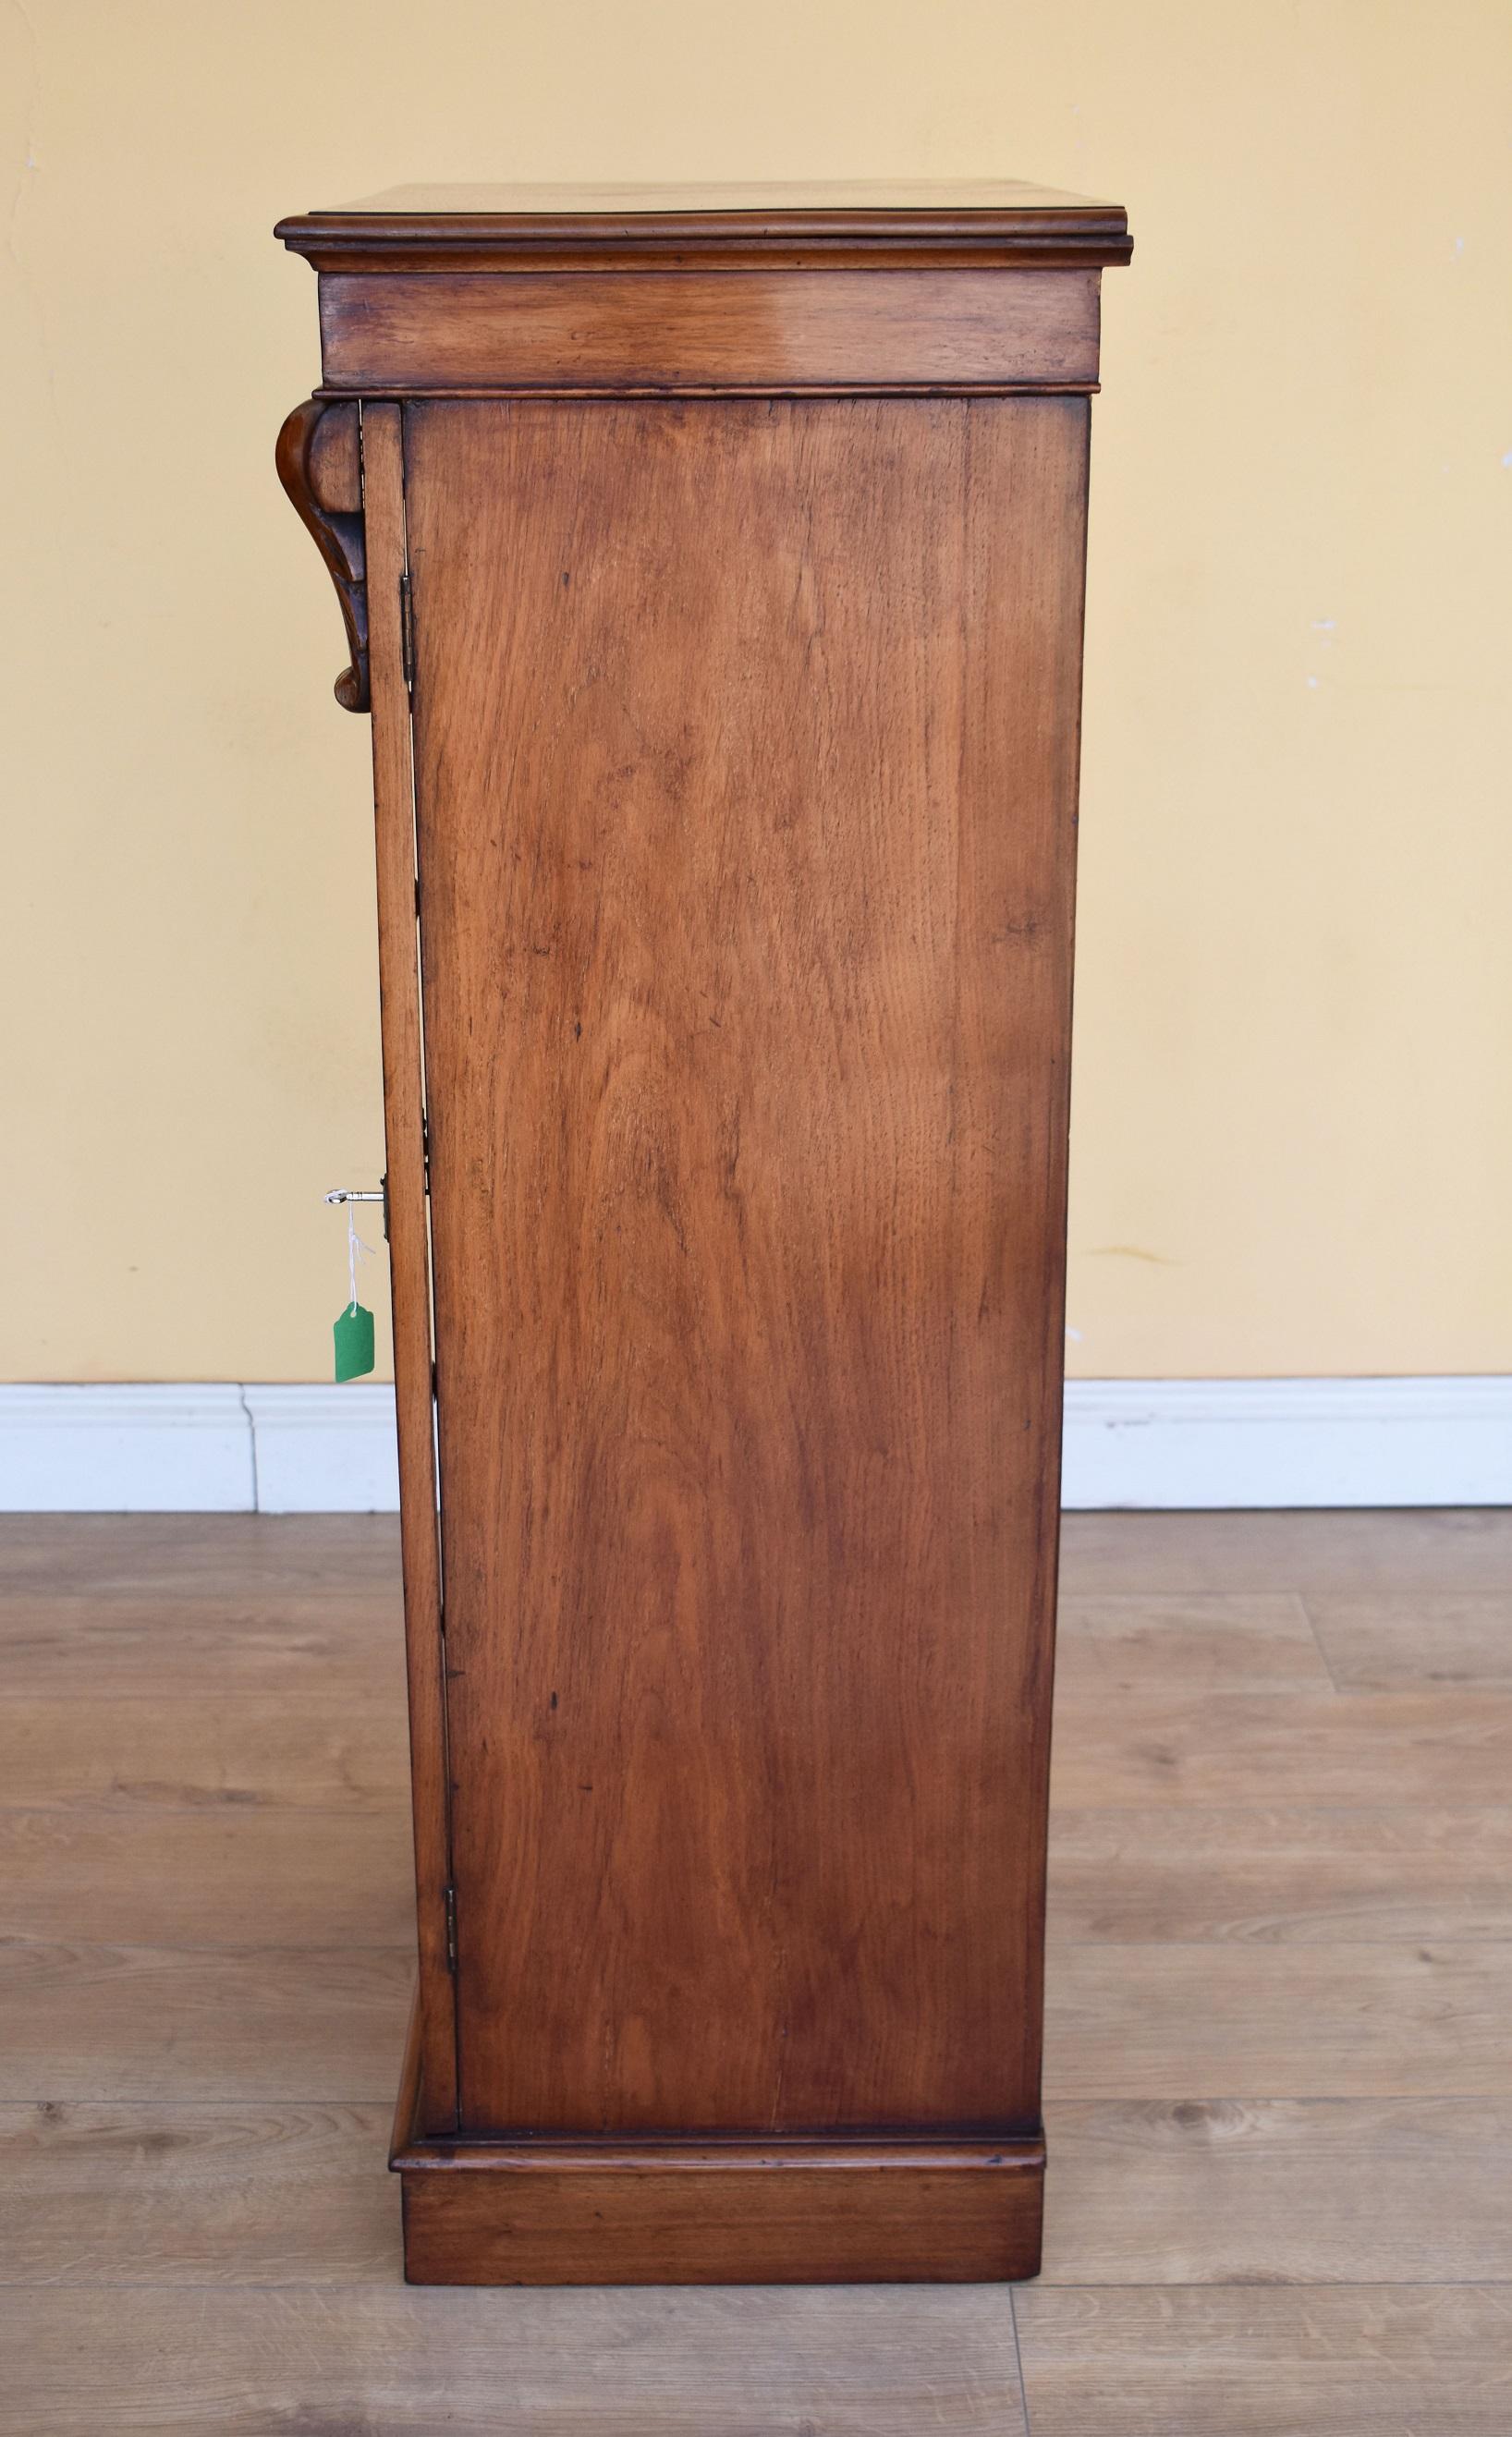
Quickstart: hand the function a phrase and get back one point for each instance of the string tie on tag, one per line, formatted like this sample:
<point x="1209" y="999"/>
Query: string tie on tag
<point x="356" y="1250"/>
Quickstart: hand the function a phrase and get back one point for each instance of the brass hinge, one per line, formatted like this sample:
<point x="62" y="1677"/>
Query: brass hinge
<point x="406" y="630"/>
<point x="451" y="1929"/>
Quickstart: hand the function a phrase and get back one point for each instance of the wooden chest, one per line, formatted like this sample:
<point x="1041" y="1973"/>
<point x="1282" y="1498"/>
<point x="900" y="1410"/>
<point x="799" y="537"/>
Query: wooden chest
<point x="713" y="568"/>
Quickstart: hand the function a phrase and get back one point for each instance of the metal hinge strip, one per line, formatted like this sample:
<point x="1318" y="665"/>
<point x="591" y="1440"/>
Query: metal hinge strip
<point x="406" y="630"/>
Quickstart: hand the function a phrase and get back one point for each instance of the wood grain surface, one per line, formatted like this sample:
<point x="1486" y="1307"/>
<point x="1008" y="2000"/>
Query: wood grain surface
<point x="242" y="1752"/>
<point x="247" y="1874"/>
<point x="1414" y="1641"/>
<point x="86" y="2019"/>
<point x="1362" y="1552"/>
<point x="826" y="223"/>
<point x="320" y="481"/>
<point x="175" y="2192"/>
<point x="1341" y="2362"/>
<point x="408" y="1237"/>
<point x="818" y="2361"/>
<point x="733" y="2213"/>
<point x="1281" y="2191"/>
<point x="1114" y="1648"/>
<point x="746" y="829"/>
<point x="1323" y="1748"/>
<point x="338" y="1645"/>
<point x="1226" y="2017"/>
<point x="1285" y="1875"/>
<point x="179" y="1561"/>
<point x="393" y="332"/>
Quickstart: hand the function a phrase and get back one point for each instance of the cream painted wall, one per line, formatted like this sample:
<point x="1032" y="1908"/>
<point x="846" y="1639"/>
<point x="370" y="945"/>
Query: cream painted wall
<point x="1290" y="1137"/>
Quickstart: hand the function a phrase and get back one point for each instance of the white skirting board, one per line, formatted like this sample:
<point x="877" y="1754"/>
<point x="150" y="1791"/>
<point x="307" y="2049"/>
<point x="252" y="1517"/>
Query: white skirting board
<point x="1129" y="1443"/>
<point x="1281" y="1443"/>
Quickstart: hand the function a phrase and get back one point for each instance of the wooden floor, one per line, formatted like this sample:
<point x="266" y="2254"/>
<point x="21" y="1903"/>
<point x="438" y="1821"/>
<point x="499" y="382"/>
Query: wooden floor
<point x="1279" y="2084"/>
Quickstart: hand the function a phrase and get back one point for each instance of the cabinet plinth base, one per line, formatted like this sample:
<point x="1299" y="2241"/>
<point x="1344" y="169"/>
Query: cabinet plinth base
<point x="735" y="2213"/>
<point x="728" y="2212"/>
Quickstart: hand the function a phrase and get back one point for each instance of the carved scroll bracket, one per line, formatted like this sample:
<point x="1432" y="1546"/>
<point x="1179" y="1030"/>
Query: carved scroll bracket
<point x="320" y="465"/>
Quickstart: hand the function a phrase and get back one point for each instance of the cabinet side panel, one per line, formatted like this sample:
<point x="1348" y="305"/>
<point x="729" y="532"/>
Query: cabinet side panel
<point x="745" y="741"/>
<point x="408" y="1252"/>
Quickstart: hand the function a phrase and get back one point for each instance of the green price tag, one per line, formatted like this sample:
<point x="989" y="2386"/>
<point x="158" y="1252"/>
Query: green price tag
<point x="353" y="1334"/>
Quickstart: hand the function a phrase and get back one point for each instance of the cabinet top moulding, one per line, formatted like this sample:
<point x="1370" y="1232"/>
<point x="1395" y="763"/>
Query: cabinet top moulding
<point x="708" y="291"/>
<point x="993" y="224"/>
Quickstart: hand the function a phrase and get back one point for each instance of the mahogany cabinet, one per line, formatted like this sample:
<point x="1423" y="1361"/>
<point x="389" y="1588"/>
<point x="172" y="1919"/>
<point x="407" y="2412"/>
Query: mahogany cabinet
<point x="711" y="563"/>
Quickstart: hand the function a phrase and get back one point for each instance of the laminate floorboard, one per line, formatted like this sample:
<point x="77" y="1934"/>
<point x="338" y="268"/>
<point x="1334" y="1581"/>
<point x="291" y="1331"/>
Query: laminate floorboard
<point x="1415" y="1640"/>
<point x="1153" y="1643"/>
<point x="1226" y="2019"/>
<point x="87" y="2020"/>
<point x="344" y="1645"/>
<point x="251" y="1752"/>
<point x="1268" y="2361"/>
<point x="1279" y="2191"/>
<point x="1279" y="2066"/>
<point x="1212" y="1750"/>
<point x="228" y="1877"/>
<point x="312" y="2361"/>
<point x="1283" y="1876"/>
<point x="172" y="2192"/>
<point x="1361" y="1550"/>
